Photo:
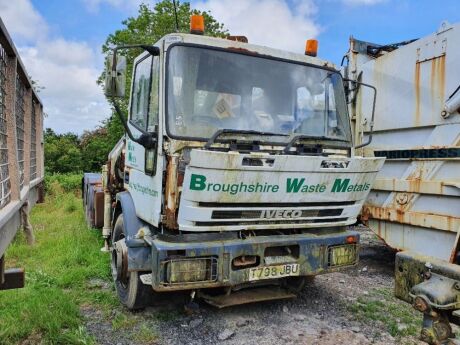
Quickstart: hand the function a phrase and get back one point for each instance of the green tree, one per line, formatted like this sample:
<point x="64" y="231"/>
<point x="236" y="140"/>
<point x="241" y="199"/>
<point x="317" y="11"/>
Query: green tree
<point x="152" y="24"/>
<point x="147" y="28"/>
<point x="95" y="145"/>
<point x="62" y="152"/>
<point x="69" y="153"/>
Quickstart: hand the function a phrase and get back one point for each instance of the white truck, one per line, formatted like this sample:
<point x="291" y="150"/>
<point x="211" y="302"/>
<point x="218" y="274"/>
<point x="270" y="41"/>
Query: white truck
<point x="414" y="205"/>
<point x="237" y="178"/>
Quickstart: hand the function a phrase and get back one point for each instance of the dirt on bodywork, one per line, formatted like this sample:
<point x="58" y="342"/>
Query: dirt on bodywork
<point x="351" y="307"/>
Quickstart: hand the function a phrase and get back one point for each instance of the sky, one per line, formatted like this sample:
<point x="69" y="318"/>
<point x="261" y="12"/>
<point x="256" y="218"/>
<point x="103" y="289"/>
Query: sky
<point x="60" y="40"/>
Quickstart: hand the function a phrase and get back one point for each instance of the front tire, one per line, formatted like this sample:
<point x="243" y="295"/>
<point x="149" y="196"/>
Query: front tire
<point x="295" y="284"/>
<point x="130" y="289"/>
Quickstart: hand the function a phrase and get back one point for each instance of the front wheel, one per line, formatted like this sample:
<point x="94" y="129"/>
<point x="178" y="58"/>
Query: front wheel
<point x="130" y="289"/>
<point x="295" y="284"/>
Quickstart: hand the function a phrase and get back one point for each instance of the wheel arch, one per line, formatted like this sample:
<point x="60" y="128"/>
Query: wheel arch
<point x="125" y="205"/>
<point x="139" y="253"/>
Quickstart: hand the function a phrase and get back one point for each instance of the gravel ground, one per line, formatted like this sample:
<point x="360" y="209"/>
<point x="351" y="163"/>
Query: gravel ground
<point x="321" y="314"/>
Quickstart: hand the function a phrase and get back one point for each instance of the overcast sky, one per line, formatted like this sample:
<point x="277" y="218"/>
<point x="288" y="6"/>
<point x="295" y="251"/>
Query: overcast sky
<point x="60" y="40"/>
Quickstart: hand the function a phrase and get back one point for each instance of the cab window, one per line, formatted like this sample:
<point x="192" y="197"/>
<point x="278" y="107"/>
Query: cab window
<point x="141" y="92"/>
<point x="154" y="100"/>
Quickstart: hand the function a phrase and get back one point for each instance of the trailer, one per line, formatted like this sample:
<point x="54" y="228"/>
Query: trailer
<point x="414" y="205"/>
<point x="21" y="153"/>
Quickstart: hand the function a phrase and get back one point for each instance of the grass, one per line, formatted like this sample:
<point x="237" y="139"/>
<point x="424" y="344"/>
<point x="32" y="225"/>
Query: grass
<point x="380" y="306"/>
<point x="123" y="321"/>
<point x="68" y="182"/>
<point x="59" y="266"/>
<point x="66" y="260"/>
<point x="145" y="335"/>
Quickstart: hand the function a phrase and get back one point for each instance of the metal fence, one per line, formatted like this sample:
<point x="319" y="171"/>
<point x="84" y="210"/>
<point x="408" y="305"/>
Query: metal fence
<point x="33" y="141"/>
<point x="21" y="141"/>
<point x="5" y="190"/>
<point x="19" y="112"/>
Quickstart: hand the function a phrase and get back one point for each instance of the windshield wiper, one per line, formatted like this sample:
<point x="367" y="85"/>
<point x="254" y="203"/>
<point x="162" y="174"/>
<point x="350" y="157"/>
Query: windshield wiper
<point x="298" y="137"/>
<point x="221" y="131"/>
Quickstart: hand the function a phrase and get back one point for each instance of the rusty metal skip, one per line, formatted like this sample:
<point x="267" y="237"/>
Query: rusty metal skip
<point x="414" y="205"/>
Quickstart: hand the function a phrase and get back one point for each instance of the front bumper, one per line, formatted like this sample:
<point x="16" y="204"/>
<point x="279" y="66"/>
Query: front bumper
<point x="172" y="257"/>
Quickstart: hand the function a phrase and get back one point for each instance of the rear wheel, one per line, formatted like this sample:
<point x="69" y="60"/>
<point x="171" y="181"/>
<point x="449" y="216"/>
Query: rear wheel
<point x="130" y="289"/>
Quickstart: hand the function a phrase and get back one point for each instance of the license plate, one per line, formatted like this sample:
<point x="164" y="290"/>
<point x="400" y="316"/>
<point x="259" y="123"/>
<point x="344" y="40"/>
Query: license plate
<point x="276" y="271"/>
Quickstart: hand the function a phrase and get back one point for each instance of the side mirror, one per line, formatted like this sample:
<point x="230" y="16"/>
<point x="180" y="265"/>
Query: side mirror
<point x="115" y="81"/>
<point x="115" y="75"/>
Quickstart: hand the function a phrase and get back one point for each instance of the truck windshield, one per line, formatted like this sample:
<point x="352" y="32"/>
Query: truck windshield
<point x="210" y="89"/>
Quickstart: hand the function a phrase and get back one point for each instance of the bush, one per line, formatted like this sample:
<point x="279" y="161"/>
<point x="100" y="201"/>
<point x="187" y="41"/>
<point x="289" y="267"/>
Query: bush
<point x="65" y="182"/>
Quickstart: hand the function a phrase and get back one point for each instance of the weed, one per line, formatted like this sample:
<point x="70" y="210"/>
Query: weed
<point x="58" y="267"/>
<point x="67" y="182"/>
<point x="122" y="321"/>
<point x="376" y="307"/>
<point x="146" y="335"/>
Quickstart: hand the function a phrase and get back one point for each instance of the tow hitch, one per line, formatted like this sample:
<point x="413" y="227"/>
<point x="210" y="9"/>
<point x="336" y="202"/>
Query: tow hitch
<point x="432" y="286"/>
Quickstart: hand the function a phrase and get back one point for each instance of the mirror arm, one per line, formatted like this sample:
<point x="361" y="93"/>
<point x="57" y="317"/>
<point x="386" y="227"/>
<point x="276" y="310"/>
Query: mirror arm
<point x="152" y="50"/>
<point x="371" y="123"/>
<point x="146" y="139"/>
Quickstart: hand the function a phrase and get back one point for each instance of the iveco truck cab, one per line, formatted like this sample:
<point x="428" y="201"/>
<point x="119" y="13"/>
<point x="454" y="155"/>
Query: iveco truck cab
<point x="237" y="178"/>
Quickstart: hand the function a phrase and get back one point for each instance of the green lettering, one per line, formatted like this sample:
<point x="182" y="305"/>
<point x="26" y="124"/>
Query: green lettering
<point x="340" y="186"/>
<point x="197" y="182"/>
<point x="294" y="185"/>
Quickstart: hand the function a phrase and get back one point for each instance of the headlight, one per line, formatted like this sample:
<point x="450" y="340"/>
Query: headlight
<point x="343" y="255"/>
<point x="191" y="270"/>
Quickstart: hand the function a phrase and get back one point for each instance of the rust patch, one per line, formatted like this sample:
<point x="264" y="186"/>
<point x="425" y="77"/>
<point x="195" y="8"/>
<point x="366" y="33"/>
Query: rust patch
<point x="242" y="39"/>
<point x="399" y="215"/>
<point x="437" y="82"/>
<point x="427" y="220"/>
<point x="365" y="213"/>
<point x="171" y="193"/>
<point x="414" y="185"/>
<point x="434" y="63"/>
<point x="242" y="50"/>
<point x="417" y="93"/>
<point x="441" y="69"/>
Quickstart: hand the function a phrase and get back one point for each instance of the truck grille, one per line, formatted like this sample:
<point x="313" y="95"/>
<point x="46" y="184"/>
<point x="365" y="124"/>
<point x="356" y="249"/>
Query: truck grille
<point x="233" y="216"/>
<point x="224" y="214"/>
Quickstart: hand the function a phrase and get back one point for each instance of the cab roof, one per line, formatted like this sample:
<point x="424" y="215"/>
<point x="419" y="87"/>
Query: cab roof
<point x="242" y="47"/>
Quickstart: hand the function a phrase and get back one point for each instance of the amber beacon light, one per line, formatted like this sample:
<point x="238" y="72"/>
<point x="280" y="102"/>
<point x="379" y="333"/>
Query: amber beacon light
<point x="311" y="47"/>
<point x="197" y="24"/>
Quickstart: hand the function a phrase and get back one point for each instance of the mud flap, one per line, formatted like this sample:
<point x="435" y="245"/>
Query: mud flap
<point x="12" y="278"/>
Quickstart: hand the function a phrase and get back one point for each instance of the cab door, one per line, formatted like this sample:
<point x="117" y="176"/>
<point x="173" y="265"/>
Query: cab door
<point x="144" y="168"/>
